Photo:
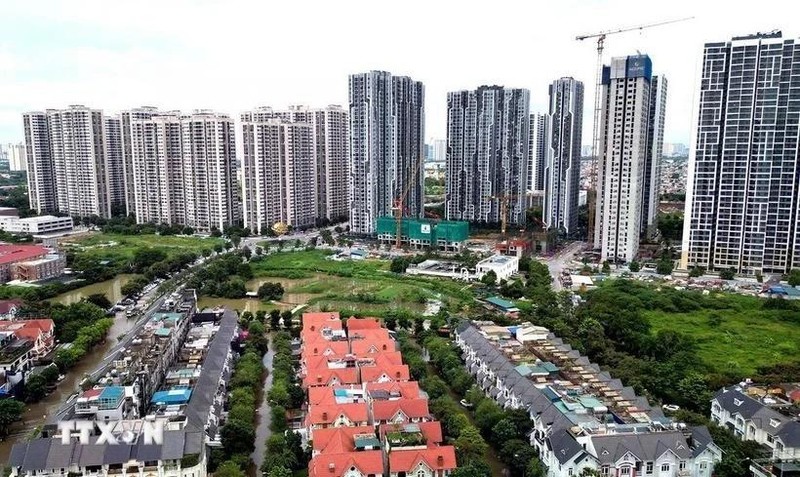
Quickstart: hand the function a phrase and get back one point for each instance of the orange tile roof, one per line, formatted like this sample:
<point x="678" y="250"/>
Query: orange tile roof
<point x="322" y="346"/>
<point x="315" y="321"/>
<point x="337" y="440"/>
<point x="28" y="329"/>
<point x="325" y="395"/>
<point x="12" y="253"/>
<point x="407" y="389"/>
<point x="336" y="465"/>
<point x="377" y="373"/>
<point x="431" y="430"/>
<point x="328" y="414"/>
<point x="355" y="324"/>
<point x="363" y="347"/>
<point x="435" y="458"/>
<point x="329" y="377"/>
<point x="411" y="408"/>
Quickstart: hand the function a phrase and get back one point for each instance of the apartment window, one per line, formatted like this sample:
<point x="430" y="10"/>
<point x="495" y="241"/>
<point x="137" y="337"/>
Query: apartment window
<point x="569" y="471"/>
<point x="648" y="468"/>
<point x="625" y="471"/>
<point x="604" y="470"/>
<point x="682" y="465"/>
<point x="770" y="439"/>
<point x="665" y="468"/>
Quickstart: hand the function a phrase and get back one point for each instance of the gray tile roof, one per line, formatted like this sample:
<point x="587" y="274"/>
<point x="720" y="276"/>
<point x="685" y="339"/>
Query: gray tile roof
<point x="36" y="454"/>
<point x="737" y="402"/>
<point x="117" y="454"/>
<point x="59" y="456"/>
<point x="91" y="454"/>
<point x="701" y="439"/>
<point x="647" y="446"/>
<point x="564" y="446"/>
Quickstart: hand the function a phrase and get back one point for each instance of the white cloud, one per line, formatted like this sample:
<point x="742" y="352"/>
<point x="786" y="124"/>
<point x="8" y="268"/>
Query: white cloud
<point x="232" y="55"/>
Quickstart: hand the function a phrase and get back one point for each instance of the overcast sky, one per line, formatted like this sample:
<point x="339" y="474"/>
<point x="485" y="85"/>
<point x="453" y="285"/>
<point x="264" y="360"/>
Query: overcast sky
<point x="234" y="55"/>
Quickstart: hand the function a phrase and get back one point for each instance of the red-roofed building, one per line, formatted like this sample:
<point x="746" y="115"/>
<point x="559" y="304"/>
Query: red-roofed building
<point x="350" y="464"/>
<point x="40" y="332"/>
<point x="365" y="346"/>
<point x="331" y="377"/>
<point x="405" y="389"/>
<point x="337" y="415"/>
<point x="338" y="440"/>
<point x="332" y="395"/>
<point x="399" y="411"/>
<point x="356" y="324"/>
<point x="323" y="347"/>
<point x="12" y="254"/>
<point x="430" y="462"/>
<point x="382" y="374"/>
<point x="9" y="308"/>
<point x="317" y="321"/>
<point x="431" y="431"/>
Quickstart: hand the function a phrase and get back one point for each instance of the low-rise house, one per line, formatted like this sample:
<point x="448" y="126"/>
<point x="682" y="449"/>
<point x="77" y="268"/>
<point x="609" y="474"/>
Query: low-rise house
<point x="400" y="411"/>
<point x="430" y="462"/>
<point x="583" y="420"/>
<point x="10" y="308"/>
<point x="339" y="440"/>
<point x="384" y="373"/>
<point x="337" y="415"/>
<point x="421" y="434"/>
<point x="758" y="419"/>
<point x="348" y="464"/>
<point x="40" y="332"/>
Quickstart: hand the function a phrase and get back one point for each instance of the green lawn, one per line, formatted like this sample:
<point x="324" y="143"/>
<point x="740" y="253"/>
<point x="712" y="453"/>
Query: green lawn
<point x="365" y="286"/>
<point x="103" y="246"/>
<point x="739" y="334"/>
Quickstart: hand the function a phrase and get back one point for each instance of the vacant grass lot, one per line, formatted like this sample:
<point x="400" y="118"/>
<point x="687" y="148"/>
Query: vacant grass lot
<point x="120" y="248"/>
<point x="739" y="333"/>
<point x="365" y="286"/>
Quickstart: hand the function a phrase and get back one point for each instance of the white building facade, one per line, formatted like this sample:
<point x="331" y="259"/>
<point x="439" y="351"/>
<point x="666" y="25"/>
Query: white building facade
<point x="742" y="189"/>
<point x="386" y="147"/>
<point x="487" y="154"/>
<point x="562" y="155"/>
<point x="625" y="156"/>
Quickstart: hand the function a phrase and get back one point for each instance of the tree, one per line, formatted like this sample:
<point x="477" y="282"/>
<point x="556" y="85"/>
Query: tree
<point x="259" y="251"/>
<point x="470" y="471"/>
<point x="229" y="469"/>
<point x="278" y="471"/>
<point x="727" y="273"/>
<point x="516" y="453"/>
<point x="238" y="437"/>
<point x="10" y="411"/>
<point x="535" y="468"/>
<point x="490" y="278"/>
<point x="794" y="277"/>
<point x="606" y="267"/>
<point x="470" y="446"/>
<point x="286" y="316"/>
<point x="399" y="265"/>
<point x="206" y="252"/>
<point x="35" y="388"/>
<point x="695" y="272"/>
<point x="390" y="322"/>
<point x="503" y="431"/>
<point x="634" y="266"/>
<point x="100" y="300"/>
<point x="269" y="291"/>
<point x="274" y="320"/>
<point x="236" y="240"/>
<point x="664" y="265"/>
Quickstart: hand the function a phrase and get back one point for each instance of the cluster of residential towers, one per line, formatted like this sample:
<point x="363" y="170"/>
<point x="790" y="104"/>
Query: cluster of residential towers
<point x="305" y="166"/>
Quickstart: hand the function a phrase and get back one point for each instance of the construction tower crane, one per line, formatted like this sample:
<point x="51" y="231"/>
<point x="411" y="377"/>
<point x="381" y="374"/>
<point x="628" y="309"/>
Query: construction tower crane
<point x="504" y="200"/>
<point x="601" y="38"/>
<point x="399" y="205"/>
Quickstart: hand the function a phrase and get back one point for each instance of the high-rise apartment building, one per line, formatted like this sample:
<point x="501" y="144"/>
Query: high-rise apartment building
<point x="279" y="172"/>
<point x="316" y="192"/>
<point x="627" y="151"/>
<point x="386" y="147"/>
<point x="562" y="155"/>
<point x="436" y="150"/>
<point x="39" y="155"/>
<point x="742" y="192"/>
<point x="487" y="161"/>
<point x="156" y="155"/>
<point x="114" y="165"/>
<point x="209" y="170"/>
<point x="653" y="155"/>
<point x="126" y="117"/>
<point x="536" y="152"/>
<point x="16" y="156"/>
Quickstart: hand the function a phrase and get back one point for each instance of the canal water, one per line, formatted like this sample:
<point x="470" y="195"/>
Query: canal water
<point x="112" y="289"/>
<point x="263" y="416"/>
<point x="36" y="414"/>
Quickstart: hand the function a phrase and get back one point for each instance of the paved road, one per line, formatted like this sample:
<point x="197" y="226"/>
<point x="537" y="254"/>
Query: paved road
<point x="264" y="414"/>
<point x="560" y="261"/>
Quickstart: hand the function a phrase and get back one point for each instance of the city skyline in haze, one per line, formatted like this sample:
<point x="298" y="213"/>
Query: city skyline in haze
<point x="203" y="54"/>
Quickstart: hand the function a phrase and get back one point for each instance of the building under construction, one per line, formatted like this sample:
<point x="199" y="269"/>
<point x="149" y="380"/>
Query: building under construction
<point x="447" y="236"/>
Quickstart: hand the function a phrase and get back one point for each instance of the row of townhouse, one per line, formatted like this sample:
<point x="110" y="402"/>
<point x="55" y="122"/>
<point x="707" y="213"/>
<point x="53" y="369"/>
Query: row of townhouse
<point x="754" y="415"/>
<point x="23" y="344"/>
<point x="365" y="417"/>
<point x="583" y="418"/>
